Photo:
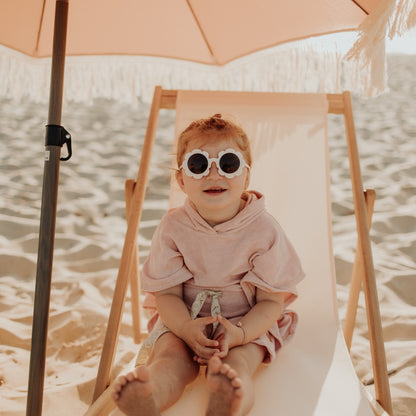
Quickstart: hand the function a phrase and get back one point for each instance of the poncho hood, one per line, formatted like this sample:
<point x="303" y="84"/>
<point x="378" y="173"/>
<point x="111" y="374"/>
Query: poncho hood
<point x="253" y="207"/>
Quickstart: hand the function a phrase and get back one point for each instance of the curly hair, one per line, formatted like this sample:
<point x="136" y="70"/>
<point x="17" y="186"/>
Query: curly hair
<point x="213" y="128"/>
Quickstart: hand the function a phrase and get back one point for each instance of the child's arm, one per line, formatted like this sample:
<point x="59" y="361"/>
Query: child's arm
<point x="256" y="322"/>
<point x="176" y="317"/>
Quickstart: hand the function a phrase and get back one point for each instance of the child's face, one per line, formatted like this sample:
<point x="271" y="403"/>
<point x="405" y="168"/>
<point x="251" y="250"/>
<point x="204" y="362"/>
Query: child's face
<point x="216" y="197"/>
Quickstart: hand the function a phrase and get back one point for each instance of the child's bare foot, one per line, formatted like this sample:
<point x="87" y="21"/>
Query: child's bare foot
<point x="225" y="388"/>
<point x="133" y="393"/>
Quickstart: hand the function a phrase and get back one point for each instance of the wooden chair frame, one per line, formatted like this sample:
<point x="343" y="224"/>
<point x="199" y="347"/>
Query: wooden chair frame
<point x="363" y="270"/>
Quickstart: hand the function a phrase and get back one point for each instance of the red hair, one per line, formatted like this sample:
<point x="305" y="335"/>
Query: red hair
<point x="213" y="128"/>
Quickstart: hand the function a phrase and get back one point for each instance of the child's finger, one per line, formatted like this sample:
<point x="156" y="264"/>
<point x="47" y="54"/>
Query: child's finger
<point x="200" y="360"/>
<point x="206" y="353"/>
<point x="225" y="322"/>
<point x="222" y="354"/>
<point x="207" y="320"/>
<point x="206" y="342"/>
<point x="211" y="343"/>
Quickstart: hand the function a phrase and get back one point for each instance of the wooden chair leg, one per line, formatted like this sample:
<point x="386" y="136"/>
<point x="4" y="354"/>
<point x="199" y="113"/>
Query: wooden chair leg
<point x="381" y="381"/>
<point x="127" y="256"/>
<point x="134" y="272"/>
<point x="103" y="405"/>
<point x="357" y="276"/>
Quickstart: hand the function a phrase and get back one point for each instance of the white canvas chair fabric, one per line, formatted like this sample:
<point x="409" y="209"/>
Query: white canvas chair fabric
<point x="313" y="374"/>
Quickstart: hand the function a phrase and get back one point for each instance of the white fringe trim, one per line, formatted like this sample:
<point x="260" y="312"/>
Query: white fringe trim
<point x="124" y="78"/>
<point x="313" y="65"/>
<point x="390" y="19"/>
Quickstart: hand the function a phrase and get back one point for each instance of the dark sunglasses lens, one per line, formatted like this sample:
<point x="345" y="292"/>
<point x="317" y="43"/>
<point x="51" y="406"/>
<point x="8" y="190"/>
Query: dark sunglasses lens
<point x="229" y="163"/>
<point x="197" y="163"/>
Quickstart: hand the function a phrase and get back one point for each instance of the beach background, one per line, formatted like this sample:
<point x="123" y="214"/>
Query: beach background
<point x="90" y="230"/>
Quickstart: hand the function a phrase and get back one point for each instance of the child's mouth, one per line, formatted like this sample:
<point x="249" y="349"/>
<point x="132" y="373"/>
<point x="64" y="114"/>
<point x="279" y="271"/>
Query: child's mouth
<point x="214" y="191"/>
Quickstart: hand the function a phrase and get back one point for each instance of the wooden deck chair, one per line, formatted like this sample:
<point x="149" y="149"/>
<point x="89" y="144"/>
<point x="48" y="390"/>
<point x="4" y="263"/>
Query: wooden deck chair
<point x="313" y="374"/>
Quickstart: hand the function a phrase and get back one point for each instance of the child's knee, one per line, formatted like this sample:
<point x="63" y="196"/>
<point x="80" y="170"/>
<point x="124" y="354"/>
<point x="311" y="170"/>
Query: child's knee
<point x="169" y="345"/>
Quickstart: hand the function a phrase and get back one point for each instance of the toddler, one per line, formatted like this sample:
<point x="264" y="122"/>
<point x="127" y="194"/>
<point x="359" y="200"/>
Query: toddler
<point x="222" y="272"/>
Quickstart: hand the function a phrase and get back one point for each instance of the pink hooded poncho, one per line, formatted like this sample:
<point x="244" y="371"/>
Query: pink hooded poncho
<point x="250" y="250"/>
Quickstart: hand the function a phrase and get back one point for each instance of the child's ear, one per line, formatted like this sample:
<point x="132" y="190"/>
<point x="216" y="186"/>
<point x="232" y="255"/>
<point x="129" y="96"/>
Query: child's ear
<point x="179" y="179"/>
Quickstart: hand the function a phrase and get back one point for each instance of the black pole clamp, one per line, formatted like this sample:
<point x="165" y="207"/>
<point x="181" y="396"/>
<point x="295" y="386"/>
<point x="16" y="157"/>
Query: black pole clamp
<point x="57" y="136"/>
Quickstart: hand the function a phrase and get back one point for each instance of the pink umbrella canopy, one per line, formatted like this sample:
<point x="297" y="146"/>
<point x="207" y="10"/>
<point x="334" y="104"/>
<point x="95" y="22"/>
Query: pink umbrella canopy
<point x="209" y="32"/>
<point x="212" y="33"/>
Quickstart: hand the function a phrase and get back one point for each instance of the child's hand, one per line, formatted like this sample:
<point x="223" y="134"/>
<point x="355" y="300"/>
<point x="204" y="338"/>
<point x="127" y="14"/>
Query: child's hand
<point x="194" y="334"/>
<point x="228" y="336"/>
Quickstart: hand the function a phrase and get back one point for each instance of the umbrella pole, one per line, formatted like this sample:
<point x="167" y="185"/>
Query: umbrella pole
<point x="48" y="218"/>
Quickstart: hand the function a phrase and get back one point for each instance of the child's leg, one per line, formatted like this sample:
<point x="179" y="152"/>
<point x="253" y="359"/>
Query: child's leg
<point x="230" y="381"/>
<point x="152" y="388"/>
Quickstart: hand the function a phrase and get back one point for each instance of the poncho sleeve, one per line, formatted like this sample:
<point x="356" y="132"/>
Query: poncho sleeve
<point x="164" y="267"/>
<point x="275" y="267"/>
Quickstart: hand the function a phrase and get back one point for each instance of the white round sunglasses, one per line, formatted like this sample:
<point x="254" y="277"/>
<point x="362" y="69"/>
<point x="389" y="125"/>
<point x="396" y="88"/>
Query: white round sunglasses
<point x="230" y="163"/>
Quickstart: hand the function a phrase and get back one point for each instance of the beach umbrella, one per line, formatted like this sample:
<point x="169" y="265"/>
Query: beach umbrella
<point x="209" y="33"/>
<point x="214" y="35"/>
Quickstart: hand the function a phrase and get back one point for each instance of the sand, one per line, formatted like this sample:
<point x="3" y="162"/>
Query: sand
<point x="91" y="226"/>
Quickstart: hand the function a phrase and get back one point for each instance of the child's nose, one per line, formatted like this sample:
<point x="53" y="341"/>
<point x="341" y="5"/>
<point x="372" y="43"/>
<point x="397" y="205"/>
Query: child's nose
<point x="213" y="172"/>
